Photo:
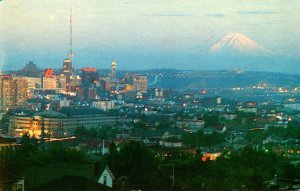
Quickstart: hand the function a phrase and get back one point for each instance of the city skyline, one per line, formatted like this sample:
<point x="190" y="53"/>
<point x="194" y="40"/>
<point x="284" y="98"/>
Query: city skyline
<point x="147" y="35"/>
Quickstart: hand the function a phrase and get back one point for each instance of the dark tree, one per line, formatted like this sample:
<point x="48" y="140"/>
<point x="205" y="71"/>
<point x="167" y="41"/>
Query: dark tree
<point x="81" y="131"/>
<point x="11" y="165"/>
<point x="138" y="164"/>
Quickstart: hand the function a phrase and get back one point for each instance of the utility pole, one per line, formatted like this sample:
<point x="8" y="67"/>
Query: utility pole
<point x="173" y="172"/>
<point x="173" y="177"/>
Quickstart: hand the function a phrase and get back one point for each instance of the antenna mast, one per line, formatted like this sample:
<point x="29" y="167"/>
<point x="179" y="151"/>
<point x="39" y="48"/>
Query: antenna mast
<point x="70" y="42"/>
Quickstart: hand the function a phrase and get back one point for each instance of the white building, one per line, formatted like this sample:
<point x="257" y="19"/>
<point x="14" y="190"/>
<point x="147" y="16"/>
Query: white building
<point x="103" y="104"/>
<point x="64" y="103"/>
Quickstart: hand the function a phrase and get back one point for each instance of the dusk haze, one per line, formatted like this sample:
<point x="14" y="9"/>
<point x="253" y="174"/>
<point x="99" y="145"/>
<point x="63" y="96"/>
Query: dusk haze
<point x="148" y="34"/>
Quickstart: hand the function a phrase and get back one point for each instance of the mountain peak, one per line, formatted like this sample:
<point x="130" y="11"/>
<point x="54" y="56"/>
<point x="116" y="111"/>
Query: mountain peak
<point x="237" y="42"/>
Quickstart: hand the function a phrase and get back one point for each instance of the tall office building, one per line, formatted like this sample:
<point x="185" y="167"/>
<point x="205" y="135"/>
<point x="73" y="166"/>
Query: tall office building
<point x="67" y="69"/>
<point x="104" y="85"/>
<point x="136" y="82"/>
<point x="61" y="82"/>
<point x="49" y="79"/>
<point x="21" y="91"/>
<point x="32" y="84"/>
<point x="13" y="92"/>
<point x="89" y="77"/>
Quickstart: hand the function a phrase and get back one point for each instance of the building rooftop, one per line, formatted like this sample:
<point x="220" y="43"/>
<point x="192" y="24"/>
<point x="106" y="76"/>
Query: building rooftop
<point x="81" y="111"/>
<point x="50" y="113"/>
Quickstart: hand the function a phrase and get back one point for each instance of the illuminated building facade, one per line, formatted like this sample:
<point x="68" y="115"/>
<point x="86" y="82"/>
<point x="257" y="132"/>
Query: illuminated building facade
<point x="210" y="156"/>
<point x="67" y="69"/>
<point x="49" y="79"/>
<point x="21" y="86"/>
<point x="58" y="124"/>
<point x="103" y="104"/>
<point x="33" y="82"/>
<point x="13" y="92"/>
<point x="62" y="82"/>
<point x="74" y="84"/>
<point x="136" y="82"/>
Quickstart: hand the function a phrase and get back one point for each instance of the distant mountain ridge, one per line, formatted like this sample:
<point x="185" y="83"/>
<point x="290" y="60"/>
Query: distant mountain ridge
<point x="198" y="79"/>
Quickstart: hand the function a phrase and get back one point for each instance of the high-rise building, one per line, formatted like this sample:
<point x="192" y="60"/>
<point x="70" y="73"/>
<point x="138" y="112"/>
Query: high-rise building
<point x="89" y="77"/>
<point x="7" y="91"/>
<point x="86" y="93"/>
<point x="141" y="83"/>
<point x="75" y="82"/>
<point x="49" y="79"/>
<point x="32" y="84"/>
<point x="136" y="82"/>
<point x="21" y="91"/>
<point x="61" y="82"/>
<point x="104" y="85"/>
<point x="13" y="92"/>
<point x="67" y="69"/>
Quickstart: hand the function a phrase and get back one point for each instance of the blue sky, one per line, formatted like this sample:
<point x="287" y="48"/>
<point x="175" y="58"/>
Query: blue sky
<point x="140" y="34"/>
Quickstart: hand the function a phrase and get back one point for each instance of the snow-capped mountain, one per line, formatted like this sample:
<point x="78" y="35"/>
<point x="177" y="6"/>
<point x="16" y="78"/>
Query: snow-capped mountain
<point x="236" y="50"/>
<point x="237" y="43"/>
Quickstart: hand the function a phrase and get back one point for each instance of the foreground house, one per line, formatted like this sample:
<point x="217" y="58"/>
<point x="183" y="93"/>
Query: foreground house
<point x="106" y="178"/>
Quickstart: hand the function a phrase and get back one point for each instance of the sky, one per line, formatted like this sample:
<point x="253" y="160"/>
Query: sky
<point x="142" y="34"/>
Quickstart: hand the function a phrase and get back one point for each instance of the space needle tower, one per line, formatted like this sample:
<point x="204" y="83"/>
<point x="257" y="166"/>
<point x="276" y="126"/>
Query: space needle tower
<point x="113" y="70"/>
